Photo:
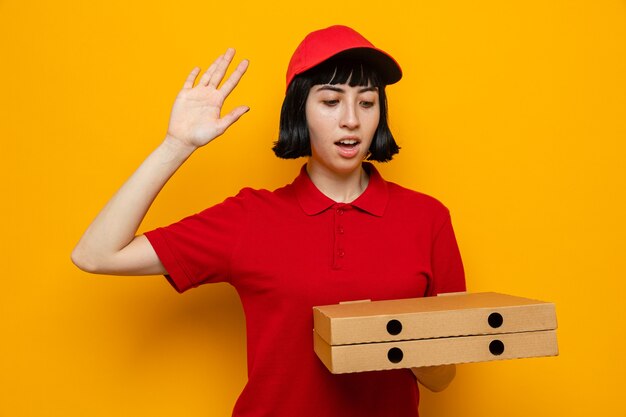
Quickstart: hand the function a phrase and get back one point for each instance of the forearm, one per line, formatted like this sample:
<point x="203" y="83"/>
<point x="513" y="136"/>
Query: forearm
<point x="435" y="378"/>
<point x="116" y="225"/>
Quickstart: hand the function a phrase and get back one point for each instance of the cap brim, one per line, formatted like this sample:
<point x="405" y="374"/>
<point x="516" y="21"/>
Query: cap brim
<point x="387" y="67"/>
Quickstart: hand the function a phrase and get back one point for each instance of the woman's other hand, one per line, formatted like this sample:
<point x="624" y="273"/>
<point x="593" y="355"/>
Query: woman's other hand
<point x="435" y="378"/>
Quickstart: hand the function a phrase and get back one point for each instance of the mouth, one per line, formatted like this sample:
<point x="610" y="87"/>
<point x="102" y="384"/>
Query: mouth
<point x="348" y="147"/>
<point x="348" y="143"/>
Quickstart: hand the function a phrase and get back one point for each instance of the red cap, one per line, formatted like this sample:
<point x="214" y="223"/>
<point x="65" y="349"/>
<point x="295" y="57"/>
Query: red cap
<point x="323" y="44"/>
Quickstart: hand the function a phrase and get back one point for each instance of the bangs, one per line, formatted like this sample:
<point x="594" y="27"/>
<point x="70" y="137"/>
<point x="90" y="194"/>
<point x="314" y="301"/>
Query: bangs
<point x="343" y="71"/>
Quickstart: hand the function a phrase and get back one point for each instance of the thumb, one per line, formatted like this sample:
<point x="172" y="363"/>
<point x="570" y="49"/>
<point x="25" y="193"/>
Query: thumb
<point x="233" y="116"/>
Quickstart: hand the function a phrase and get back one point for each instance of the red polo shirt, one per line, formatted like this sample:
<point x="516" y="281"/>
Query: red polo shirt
<point x="291" y="249"/>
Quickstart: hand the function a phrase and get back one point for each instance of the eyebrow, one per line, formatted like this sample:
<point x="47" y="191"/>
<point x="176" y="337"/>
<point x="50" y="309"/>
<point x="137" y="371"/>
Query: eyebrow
<point x="332" y="87"/>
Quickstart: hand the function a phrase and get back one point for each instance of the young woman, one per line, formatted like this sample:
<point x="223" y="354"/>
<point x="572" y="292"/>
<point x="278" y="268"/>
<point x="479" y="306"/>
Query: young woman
<point x="339" y="232"/>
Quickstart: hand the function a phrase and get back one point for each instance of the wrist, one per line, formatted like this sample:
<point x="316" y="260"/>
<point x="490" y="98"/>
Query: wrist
<point x="178" y="148"/>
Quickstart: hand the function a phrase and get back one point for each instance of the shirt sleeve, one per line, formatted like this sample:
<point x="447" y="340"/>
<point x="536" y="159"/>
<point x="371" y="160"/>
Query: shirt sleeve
<point x="448" y="274"/>
<point x="198" y="249"/>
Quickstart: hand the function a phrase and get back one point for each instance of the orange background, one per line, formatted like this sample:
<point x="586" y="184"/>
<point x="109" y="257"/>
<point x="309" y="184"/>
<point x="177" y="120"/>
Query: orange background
<point x="511" y="113"/>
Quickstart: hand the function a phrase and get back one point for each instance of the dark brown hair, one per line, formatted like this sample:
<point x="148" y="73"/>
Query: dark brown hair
<point x="293" y="137"/>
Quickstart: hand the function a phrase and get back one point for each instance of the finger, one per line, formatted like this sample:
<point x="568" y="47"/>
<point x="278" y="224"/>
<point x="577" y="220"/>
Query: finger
<point x="220" y="69"/>
<point x="235" y="77"/>
<point x="209" y="72"/>
<point x="230" y="118"/>
<point x="191" y="78"/>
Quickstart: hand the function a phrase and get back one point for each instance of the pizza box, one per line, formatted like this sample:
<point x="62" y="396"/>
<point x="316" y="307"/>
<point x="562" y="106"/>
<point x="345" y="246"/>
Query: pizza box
<point x="458" y="328"/>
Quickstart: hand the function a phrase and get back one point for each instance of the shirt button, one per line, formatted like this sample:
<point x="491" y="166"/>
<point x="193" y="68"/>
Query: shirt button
<point x="340" y="230"/>
<point x="341" y="253"/>
<point x="340" y="212"/>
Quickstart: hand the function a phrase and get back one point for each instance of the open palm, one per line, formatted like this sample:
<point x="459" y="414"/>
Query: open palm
<point x="196" y="115"/>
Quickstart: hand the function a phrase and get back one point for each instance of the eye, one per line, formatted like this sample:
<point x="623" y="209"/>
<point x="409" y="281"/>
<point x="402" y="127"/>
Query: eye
<point x="367" y="104"/>
<point x="330" y="103"/>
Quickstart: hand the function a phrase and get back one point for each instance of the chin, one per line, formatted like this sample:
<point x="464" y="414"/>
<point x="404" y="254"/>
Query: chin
<point x="338" y="164"/>
<point x="347" y="166"/>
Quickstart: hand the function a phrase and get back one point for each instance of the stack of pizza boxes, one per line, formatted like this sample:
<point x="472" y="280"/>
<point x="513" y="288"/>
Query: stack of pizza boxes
<point x="456" y="328"/>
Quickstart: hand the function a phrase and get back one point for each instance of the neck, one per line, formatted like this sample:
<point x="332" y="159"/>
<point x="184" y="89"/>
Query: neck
<point x="339" y="187"/>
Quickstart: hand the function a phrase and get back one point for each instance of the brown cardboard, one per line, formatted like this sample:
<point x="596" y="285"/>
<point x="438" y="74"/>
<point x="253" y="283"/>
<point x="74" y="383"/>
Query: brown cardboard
<point x="439" y="351"/>
<point x="430" y="317"/>
<point x="464" y="327"/>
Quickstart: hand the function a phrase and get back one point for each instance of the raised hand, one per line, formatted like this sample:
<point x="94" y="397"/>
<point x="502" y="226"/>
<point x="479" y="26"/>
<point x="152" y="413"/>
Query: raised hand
<point x="196" y="115"/>
<point x="110" y="245"/>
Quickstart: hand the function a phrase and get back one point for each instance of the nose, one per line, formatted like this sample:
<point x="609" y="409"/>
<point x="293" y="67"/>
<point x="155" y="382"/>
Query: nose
<point x="350" y="117"/>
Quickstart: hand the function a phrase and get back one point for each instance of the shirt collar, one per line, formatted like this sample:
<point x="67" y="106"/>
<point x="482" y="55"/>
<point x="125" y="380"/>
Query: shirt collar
<point x="373" y="200"/>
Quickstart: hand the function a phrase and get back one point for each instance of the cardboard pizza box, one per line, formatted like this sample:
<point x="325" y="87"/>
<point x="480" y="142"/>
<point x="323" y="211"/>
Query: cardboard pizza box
<point x="464" y="327"/>
<point x="459" y="314"/>
<point x="439" y="351"/>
